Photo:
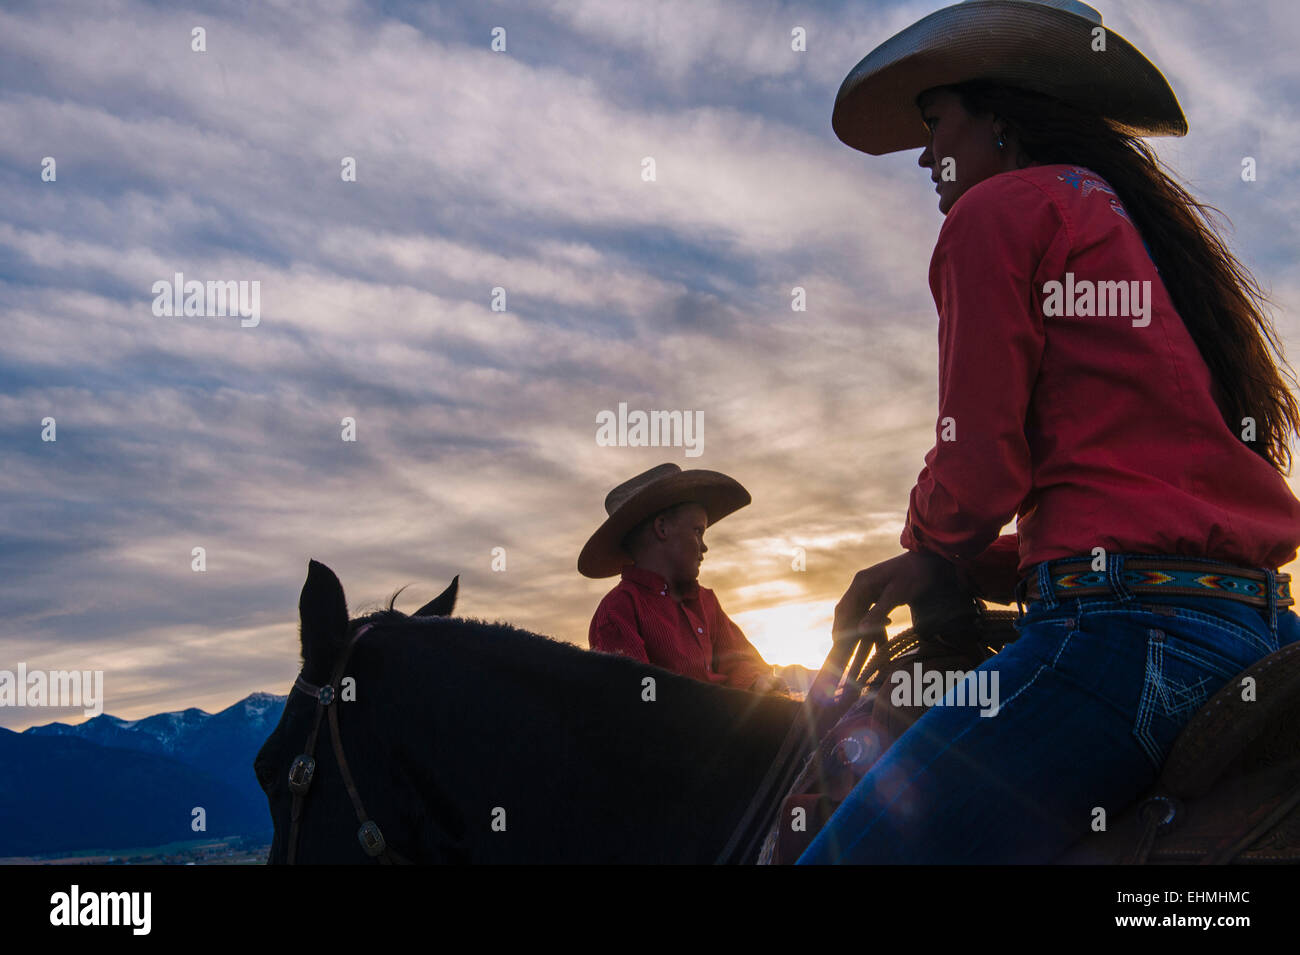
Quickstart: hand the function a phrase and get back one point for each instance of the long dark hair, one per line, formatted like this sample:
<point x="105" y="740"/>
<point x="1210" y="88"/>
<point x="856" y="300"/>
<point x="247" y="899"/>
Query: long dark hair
<point x="1217" y="298"/>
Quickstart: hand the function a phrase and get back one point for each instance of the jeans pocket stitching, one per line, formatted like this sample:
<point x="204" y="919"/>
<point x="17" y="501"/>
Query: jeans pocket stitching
<point x="1205" y="658"/>
<point x="1142" y="719"/>
<point x="1169" y="612"/>
<point x="1175" y="700"/>
<point x="1064" y="643"/>
<point x="1002" y="705"/>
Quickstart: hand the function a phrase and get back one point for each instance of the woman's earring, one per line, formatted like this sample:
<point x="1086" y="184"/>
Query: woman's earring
<point x="1001" y="142"/>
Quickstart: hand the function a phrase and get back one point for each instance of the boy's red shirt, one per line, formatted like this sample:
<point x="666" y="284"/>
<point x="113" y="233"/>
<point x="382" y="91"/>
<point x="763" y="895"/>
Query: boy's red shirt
<point x="694" y="638"/>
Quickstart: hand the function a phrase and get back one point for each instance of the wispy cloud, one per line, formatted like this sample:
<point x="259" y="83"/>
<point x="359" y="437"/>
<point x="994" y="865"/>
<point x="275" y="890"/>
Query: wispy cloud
<point x="477" y="170"/>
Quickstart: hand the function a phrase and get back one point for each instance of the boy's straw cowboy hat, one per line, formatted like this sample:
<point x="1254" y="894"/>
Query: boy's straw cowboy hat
<point x="633" y="501"/>
<point x="1046" y="46"/>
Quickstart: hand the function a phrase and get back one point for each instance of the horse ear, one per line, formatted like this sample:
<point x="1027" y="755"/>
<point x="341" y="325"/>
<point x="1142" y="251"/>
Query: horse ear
<point x="323" y="612"/>
<point x="443" y="604"/>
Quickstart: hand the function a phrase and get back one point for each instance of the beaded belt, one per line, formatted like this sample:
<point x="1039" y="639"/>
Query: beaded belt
<point x="1076" y="578"/>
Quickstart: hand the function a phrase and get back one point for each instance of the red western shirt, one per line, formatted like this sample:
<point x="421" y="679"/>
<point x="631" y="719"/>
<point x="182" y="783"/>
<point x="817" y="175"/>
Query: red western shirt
<point x="694" y="638"/>
<point x="1092" y="430"/>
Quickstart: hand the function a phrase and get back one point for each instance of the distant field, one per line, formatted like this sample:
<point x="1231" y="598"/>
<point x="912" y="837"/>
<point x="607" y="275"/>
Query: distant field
<point x="235" y="850"/>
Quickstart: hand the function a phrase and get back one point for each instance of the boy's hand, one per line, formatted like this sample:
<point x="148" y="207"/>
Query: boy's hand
<point x="771" y="683"/>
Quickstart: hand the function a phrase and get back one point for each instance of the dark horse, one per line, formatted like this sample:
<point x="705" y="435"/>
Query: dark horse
<point x="478" y="742"/>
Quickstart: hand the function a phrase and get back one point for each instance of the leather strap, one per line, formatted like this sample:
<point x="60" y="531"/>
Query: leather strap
<point x="819" y="712"/>
<point x="326" y="699"/>
<point x="300" y="798"/>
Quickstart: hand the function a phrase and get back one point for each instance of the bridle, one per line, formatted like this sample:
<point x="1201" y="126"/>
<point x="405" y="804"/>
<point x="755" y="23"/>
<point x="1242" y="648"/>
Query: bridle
<point x="303" y="768"/>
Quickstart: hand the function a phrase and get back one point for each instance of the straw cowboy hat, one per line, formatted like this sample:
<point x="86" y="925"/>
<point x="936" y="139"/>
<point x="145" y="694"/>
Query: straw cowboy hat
<point x="633" y="501"/>
<point x="1046" y="46"/>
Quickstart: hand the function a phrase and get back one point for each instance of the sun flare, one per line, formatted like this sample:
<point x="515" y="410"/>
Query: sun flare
<point x="800" y="633"/>
<point x="790" y="633"/>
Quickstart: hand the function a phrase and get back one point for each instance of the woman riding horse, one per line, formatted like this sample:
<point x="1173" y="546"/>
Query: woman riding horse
<point x="1107" y="376"/>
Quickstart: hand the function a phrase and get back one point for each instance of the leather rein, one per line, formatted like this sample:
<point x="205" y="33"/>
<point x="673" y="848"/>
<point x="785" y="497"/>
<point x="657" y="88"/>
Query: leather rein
<point x="303" y="768"/>
<point x="820" y="711"/>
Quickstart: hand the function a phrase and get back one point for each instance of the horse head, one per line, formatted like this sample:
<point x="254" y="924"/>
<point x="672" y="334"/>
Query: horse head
<point x="327" y="829"/>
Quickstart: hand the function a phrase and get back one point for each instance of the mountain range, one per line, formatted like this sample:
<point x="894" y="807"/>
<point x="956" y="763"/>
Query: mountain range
<point x="110" y="783"/>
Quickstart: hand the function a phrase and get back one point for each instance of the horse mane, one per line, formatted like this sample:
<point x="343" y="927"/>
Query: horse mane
<point x="517" y="643"/>
<point x="388" y="619"/>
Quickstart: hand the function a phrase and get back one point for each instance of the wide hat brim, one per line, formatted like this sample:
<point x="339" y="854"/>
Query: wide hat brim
<point x="720" y="495"/>
<point x="1018" y="43"/>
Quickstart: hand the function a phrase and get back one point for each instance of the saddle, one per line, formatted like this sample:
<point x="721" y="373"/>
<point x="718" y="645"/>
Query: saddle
<point x="1229" y="790"/>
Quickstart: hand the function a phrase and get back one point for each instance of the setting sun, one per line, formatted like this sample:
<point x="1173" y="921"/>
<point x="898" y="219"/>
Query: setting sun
<point x="800" y="633"/>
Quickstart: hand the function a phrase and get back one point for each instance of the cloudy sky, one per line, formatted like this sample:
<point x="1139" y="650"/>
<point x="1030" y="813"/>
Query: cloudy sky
<point x="478" y="169"/>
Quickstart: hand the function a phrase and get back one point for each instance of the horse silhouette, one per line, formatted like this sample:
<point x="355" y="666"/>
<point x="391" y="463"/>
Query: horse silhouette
<point x="477" y="742"/>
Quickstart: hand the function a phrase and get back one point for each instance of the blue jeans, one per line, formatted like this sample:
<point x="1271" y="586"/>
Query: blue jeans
<point x="1091" y="697"/>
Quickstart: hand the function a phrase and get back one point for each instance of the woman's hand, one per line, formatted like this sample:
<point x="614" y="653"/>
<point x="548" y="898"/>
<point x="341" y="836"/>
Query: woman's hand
<point x="880" y="588"/>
